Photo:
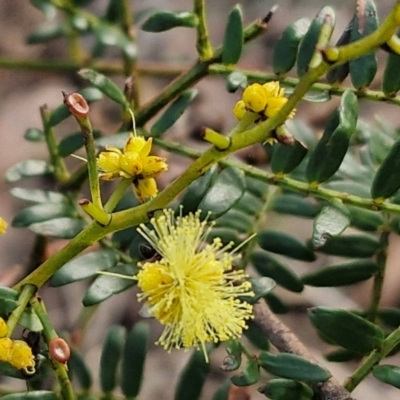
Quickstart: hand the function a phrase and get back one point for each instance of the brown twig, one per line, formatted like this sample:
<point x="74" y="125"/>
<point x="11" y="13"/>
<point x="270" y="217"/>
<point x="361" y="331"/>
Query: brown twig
<point x="285" y="341"/>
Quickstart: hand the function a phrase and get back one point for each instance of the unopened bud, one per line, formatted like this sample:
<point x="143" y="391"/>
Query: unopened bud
<point x="76" y="104"/>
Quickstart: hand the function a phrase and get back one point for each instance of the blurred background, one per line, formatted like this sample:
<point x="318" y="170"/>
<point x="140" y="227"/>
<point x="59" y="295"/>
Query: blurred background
<point x="22" y="92"/>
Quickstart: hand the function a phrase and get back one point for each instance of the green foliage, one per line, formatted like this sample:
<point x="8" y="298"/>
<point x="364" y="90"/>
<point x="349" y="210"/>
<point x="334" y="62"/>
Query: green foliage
<point x="342" y="187"/>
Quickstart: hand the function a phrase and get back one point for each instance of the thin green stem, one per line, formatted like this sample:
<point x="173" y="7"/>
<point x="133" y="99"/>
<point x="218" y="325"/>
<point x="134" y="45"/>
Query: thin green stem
<point x="49" y="333"/>
<point x="27" y="292"/>
<point x="373" y="359"/>
<point x="87" y="131"/>
<point x="379" y="277"/>
<point x="258" y="76"/>
<point x="60" y="170"/>
<point x="195" y="73"/>
<point x="117" y="194"/>
<point x="203" y="44"/>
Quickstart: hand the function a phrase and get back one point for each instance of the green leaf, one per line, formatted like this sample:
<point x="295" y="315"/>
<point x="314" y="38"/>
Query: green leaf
<point x="105" y="286"/>
<point x="192" y="378"/>
<point x="354" y="246"/>
<point x="249" y="204"/>
<point x="223" y="391"/>
<point x="249" y="376"/>
<point x="84" y="266"/>
<point x="7" y="369"/>
<point x="30" y="321"/>
<point x="292" y="366"/>
<point x="329" y="153"/>
<point x="365" y="220"/>
<point x="261" y="287"/>
<point x="46" y="32"/>
<point x="78" y="367"/>
<point x="105" y="85"/>
<point x="386" y="181"/>
<point x="40" y="213"/>
<point x="226" y="191"/>
<point x="197" y="190"/>
<point x="346" y="329"/>
<point x="342" y="355"/>
<point x="226" y="235"/>
<point x="390" y="316"/>
<point x="310" y="39"/>
<point x="257" y="187"/>
<point x="365" y="22"/>
<point x="317" y="96"/>
<point x="236" y="220"/>
<point x="281" y="243"/>
<point x="27" y="169"/>
<point x="389" y="374"/>
<point x="276" y="305"/>
<point x="285" y="389"/>
<point x="331" y="221"/>
<point x="117" y="140"/>
<point x="61" y="113"/>
<point x="236" y="80"/>
<point x="49" y="10"/>
<point x="280" y="273"/>
<point x="164" y="20"/>
<point x="111" y="35"/>
<point x="34" y="135"/>
<point x="8" y="293"/>
<point x="256" y="336"/>
<point x="294" y="204"/>
<point x="115" y="11"/>
<point x="338" y="75"/>
<point x="341" y="274"/>
<point x="38" y="195"/>
<point x="285" y="49"/>
<point x="110" y="357"/>
<point x="350" y="187"/>
<point x="233" y="39"/>
<point x="65" y="228"/>
<point x="70" y="144"/>
<point x="391" y="76"/>
<point x="173" y="112"/>
<point x="133" y="360"/>
<point x="286" y="158"/>
<point x="32" y="395"/>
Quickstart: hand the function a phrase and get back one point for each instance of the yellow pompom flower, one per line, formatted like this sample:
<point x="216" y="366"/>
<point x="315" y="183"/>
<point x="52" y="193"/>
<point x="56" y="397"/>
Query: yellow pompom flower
<point x="22" y="357"/>
<point x="135" y="163"/>
<point x="239" y="111"/>
<point x="3" y="226"/>
<point x="255" y="97"/>
<point x="6" y="348"/>
<point x="192" y="290"/>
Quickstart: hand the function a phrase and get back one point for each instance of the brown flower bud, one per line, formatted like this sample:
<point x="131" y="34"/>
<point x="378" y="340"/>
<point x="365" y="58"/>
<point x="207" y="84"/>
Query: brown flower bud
<point x="59" y="350"/>
<point x="76" y="104"/>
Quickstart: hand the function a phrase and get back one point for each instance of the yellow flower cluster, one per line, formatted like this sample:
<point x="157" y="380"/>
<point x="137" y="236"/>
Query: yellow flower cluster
<point x="3" y="226"/>
<point x="192" y="290"/>
<point x="265" y="100"/>
<point x="135" y="163"/>
<point x="15" y="352"/>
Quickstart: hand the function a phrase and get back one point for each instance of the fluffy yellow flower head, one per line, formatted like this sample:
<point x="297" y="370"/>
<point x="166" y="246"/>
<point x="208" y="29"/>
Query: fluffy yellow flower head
<point x="192" y="290"/>
<point x="15" y="352"/>
<point x="135" y="163"/>
<point x="3" y="226"/>
<point x="265" y="100"/>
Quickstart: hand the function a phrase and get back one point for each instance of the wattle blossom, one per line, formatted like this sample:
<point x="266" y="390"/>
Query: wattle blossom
<point x="192" y="289"/>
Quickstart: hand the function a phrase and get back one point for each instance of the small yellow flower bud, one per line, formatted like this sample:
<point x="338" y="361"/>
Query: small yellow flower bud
<point x="239" y="111"/>
<point x="3" y="328"/>
<point x="273" y="89"/>
<point x="3" y="226"/>
<point x="274" y="105"/>
<point x="255" y="97"/>
<point x="145" y="188"/>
